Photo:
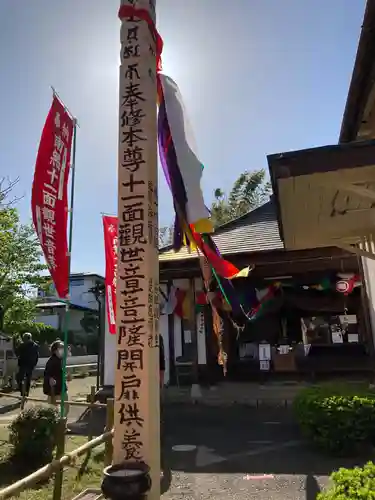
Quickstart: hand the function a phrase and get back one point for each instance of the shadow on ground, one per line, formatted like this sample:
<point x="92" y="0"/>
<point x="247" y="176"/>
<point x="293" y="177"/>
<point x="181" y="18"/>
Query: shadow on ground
<point x="236" y="439"/>
<point x="11" y="471"/>
<point x="312" y="487"/>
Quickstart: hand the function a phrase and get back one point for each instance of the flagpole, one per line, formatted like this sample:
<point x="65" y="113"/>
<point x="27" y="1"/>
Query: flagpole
<point x="70" y="241"/>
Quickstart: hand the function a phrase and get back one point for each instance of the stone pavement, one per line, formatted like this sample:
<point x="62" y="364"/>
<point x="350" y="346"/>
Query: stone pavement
<point x="78" y="389"/>
<point x="228" y="451"/>
<point x="241" y="453"/>
<point x="272" y="393"/>
<point x="235" y="453"/>
<point x="248" y="393"/>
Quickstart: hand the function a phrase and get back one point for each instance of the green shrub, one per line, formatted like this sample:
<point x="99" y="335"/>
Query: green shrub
<point x="352" y="484"/>
<point x="41" y="333"/>
<point x="339" y="419"/>
<point x="33" y="435"/>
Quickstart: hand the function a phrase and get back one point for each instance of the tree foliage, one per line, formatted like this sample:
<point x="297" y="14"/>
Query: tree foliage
<point x="20" y="267"/>
<point x="40" y="332"/>
<point x="249" y="191"/>
<point x="6" y="187"/>
<point x="32" y="435"/>
<point x="90" y="322"/>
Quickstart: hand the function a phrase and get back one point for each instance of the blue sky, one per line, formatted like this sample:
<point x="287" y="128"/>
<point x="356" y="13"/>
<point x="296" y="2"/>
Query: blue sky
<point x="257" y="77"/>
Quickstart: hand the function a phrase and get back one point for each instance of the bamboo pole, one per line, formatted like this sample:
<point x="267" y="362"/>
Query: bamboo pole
<point x="108" y="455"/>
<point x="23" y="400"/>
<point x="47" y="471"/>
<point x="70" y="243"/>
<point x="60" y="451"/>
<point x="39" y="400"/>
<point x="90" y="436"/>
<point x="91" y="407"/>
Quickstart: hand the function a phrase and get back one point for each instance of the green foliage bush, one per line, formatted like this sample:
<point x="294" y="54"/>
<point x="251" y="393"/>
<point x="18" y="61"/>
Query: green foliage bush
<point x="41" y="333"/>
<point x="338" y="419"/>
<point x="352" y="484"/>
<point x="33" y="435"/>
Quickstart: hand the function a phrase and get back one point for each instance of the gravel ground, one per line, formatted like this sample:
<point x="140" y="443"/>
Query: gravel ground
<point x="232" y="452"/>
<point x="236" y="453"/>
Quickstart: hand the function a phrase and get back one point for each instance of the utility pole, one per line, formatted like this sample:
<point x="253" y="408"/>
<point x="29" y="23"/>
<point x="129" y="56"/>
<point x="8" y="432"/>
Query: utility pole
<point x="98" y="290"/>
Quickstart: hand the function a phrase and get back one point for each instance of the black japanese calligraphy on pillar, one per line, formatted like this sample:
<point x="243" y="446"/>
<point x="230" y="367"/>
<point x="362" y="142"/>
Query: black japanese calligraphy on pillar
<point x="136" y="246"/>
<point x="153" y="337"/>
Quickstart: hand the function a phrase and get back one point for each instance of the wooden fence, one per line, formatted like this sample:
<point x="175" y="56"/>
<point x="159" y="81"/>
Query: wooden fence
<point x="64" y="459"/>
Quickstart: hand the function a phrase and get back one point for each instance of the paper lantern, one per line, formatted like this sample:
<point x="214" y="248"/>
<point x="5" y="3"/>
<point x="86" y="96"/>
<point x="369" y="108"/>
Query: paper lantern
<point x="344" y="286"/>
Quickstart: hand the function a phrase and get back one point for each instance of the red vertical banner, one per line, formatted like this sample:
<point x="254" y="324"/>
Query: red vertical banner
<point x="110" y="247"/>
<point x="49" y="198"/>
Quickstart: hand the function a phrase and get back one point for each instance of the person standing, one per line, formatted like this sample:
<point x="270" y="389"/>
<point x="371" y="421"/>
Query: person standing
<point x="53" y="375"/>
<point x="28" y="355"/>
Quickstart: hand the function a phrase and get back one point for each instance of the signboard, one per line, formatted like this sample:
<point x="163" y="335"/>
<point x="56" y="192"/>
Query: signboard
<point x="264" y="352"/>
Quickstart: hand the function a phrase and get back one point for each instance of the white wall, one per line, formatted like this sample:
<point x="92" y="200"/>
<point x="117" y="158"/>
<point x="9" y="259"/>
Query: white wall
<point x="183" y="284"/>
<point x="369" y="277"/>
<point x="110" y="340"/>
<point x="78" y="290"/>
<point x="109" y="354"/>
<point x="48" y="319"/>
<point x="201" y="339"/>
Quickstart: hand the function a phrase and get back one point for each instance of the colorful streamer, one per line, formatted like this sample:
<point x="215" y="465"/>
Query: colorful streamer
<point x="182" y="168"/>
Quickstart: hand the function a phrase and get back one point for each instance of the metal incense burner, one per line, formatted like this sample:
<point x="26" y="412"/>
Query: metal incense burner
<point x="126" y="481"/>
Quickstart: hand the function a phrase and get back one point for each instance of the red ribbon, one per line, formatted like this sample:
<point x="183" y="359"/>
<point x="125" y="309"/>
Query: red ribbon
<point x="130" y="11"/>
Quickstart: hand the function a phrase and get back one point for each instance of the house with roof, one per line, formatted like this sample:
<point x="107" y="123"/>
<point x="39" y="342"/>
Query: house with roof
<point x="302" y="302"/>
<point x="313" y="324"/>
<point x="83" y="306"/>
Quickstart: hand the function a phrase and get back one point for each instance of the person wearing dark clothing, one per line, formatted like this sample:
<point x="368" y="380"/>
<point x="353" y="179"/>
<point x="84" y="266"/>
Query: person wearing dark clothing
<point x="53" y="375"/>
<point x="28" y="355"/>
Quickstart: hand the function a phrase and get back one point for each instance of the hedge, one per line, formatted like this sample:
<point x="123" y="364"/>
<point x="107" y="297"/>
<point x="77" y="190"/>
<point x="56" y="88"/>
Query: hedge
<point x="32" y="435"/>
<point x="352" y="484"/>
<point x="338" y="419"/>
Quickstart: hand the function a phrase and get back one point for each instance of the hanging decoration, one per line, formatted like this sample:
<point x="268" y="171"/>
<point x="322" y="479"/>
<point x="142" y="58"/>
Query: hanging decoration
<point x="193" y="228"/>
<point x="324" y="284"/>
<point x="217" y="326"/>
<point x="182" y="168"/>
<point x="346" y="285"/>
<point x="110" y="226"/>
<point x="171" y="303"/>
<point x="183" y="172"/>
<point x="201" y="299"/>
<point x="49" y="196"/>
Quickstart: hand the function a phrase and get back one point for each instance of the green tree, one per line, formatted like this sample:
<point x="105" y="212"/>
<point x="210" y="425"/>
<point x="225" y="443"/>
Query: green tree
<point x="20" y="315"/>
<point x="6" y="187"/>
<point x="90" y="322"/>
<point x="249" y="191"/>
<point x="40" y="332"/>
<point x="20" y="268"/>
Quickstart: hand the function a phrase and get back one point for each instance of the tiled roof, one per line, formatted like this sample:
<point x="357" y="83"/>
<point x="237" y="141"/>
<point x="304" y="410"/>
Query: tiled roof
<point x="256" y="231"/>
<point x="60" y="304"/>
<point x="82" y="275"/>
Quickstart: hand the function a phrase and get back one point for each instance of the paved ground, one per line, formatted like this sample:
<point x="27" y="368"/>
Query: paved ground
<point x="237" y="452"/>
<point x="241" y="454"/>
<point x="78" y="390"/>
